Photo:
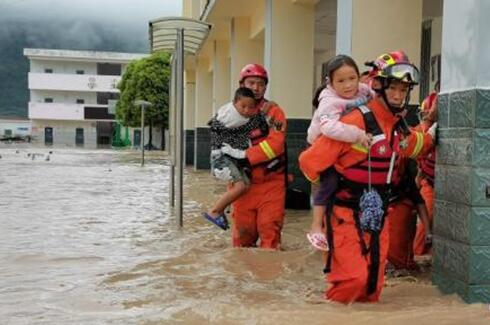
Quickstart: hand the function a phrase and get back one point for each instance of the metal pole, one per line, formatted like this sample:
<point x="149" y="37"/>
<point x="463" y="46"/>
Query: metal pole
<point x="180" y="123"/>
<point x="142" y="104"/>
<point x="171" y="130"/>
<point x="142" y="135"/>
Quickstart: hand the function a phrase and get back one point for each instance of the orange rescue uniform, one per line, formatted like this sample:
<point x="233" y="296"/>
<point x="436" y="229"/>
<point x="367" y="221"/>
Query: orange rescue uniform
<point x="402" y="233"/>
<point x="427" y="192"/>
<point x="348" y="277"/>
<point x="259" y="213"/>
<point x="403" y="218"/>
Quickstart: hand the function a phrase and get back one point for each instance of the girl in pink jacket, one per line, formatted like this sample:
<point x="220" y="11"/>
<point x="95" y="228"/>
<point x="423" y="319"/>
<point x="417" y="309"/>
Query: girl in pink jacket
<point x="342" y="91"/>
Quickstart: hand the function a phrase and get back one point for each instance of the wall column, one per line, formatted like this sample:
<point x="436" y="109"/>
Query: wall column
<point x="397" y="25"/>
<point x="189" y="114"/>
<point x="289" y="59"/>
<point x="243" y="49"/>
<point x="462" y="206"/>
<point x="204" y="111"/>
<point x="221" y="75"/>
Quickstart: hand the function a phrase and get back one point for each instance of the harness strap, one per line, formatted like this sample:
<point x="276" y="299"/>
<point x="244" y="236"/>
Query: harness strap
<point x="374" y="266"/>
<point x="372" y="125"/>
<point x="328" y="223"/>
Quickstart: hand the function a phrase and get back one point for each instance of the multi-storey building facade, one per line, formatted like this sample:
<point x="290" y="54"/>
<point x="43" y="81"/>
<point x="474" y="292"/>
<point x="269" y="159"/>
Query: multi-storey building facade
<point x="72" y="93"/>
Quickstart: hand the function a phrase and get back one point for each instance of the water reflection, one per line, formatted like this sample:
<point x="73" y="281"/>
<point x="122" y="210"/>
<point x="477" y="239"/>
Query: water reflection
<point x="88" y="238"/>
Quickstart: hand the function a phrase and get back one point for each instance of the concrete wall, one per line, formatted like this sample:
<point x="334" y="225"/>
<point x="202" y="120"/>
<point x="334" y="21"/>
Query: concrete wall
<point x="392" y="25"/>
<point x="244" y="49"/>
<point x="68" y="97"/>
<point x="64" y="132"/>
<point x="56" y="111"/>
<point x="288" y="55"/>
<point x="73" y="82"/>
<point x="66" y="67"/>
<point x="462" y="192"/>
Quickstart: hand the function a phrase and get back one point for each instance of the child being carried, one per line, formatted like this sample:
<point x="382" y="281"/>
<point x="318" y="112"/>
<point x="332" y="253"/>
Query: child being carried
<point x="235" y="125"/>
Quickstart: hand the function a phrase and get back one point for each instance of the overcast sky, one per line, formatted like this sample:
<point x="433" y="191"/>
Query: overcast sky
<point x="133" y="12"/>
<point x="83" y="24"/>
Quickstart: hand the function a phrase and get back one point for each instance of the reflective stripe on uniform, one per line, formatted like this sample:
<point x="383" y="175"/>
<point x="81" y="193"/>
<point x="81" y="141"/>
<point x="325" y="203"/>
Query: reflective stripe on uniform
<point x="418" y="145"/>
<point x="266" y="148"/>
<point x="313" y="181"/>
<point x="360" y="148"/>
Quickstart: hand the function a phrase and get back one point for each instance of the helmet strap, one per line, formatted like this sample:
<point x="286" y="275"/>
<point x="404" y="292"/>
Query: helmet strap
<point x="385" y="83"/>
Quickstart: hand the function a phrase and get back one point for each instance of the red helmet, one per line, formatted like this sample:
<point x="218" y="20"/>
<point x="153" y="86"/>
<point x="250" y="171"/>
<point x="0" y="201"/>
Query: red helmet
<point x="394" y="65"/>
<point x="253" y="70"/>
<point x="428" y="102"/>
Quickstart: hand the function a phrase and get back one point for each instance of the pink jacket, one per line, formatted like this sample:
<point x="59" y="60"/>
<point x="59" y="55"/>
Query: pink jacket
<point x="326" y="122"/>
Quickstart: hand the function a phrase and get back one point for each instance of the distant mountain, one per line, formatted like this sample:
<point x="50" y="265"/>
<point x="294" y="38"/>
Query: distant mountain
<point x="70" y="35"/>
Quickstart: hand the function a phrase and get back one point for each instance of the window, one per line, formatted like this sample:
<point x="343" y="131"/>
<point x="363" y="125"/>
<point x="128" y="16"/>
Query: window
<point x="7" y="132"/>
<point x="103" y="98"/>
<point x="80" y="72"/>
<point x="108" y="69"/>
<point x="48" y="136"/>
<point x="48" y="70"/>
<point x="79" y="137"/>
<point x="80" y="101"/>
<point x="48" y="100"/>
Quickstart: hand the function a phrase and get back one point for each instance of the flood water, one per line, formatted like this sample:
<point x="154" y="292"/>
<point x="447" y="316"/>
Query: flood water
<point x="88" y="237"/>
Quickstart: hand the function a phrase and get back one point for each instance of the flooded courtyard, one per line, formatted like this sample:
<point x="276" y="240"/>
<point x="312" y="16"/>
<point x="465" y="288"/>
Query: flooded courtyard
<point x="88" y="237"/>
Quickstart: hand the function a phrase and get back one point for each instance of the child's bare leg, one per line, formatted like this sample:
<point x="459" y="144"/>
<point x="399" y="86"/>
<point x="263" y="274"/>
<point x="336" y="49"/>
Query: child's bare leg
<point x="317" y="221"/>
<point x="233" y="193"/>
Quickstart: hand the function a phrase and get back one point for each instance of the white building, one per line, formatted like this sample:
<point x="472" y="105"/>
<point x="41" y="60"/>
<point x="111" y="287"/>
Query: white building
<point x="70" y="96"/>
<point x="14" y="127"/>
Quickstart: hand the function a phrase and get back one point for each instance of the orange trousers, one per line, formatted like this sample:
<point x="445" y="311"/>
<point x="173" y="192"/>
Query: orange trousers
<point x="348" y="279"/>
<point x="402" y="227"/>
<point x="259" y="214"/>
<point x="427" y="192"/>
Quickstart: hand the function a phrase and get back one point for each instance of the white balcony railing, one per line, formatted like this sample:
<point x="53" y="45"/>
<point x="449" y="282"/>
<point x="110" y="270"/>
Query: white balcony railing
<point x="57" y="111"/>
<point x="73" y="82"/>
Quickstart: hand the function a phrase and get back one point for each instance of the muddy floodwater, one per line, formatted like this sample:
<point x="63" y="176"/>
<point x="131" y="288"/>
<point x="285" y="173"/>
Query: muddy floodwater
<point x="88" y="237"/>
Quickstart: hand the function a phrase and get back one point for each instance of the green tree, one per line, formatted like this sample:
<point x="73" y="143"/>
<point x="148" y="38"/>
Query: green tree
<point x="146" y="79"/>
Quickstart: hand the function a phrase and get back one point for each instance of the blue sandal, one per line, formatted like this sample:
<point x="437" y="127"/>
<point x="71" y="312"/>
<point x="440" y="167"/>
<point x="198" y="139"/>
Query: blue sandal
<point x="219" y="221"/>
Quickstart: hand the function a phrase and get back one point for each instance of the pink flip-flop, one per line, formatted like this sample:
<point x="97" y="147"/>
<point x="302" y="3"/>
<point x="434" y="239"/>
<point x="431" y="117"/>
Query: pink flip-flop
<point x="318" y="240"/>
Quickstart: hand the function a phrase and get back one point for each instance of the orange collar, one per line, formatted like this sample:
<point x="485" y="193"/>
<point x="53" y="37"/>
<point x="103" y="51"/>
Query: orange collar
<point x="381" y="112"/>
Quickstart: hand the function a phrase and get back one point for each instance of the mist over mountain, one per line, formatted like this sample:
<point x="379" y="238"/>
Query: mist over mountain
<point x="100" y="25"/>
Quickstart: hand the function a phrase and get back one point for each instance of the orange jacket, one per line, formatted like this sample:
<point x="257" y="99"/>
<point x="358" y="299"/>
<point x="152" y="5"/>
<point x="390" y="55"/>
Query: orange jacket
<point x="326" y="152"/>
<point x="270" y="147"/>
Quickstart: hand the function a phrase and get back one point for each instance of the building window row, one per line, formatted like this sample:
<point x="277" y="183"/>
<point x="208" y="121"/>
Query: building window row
<point x="103" y="69"/>
<point x="49" y="70"/>
<point x="49" y="136"/>
<point x="51" y="100"/>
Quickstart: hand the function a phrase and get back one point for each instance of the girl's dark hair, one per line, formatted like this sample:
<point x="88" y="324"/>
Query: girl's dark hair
<point x="316" y="96"/>
<point x="333" y="65"/>
<point x="338" y="61"/>
<point x="243" y="92"/>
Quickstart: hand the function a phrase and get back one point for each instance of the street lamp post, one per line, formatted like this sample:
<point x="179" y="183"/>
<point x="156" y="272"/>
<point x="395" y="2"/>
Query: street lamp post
<point x="142" y="104"/>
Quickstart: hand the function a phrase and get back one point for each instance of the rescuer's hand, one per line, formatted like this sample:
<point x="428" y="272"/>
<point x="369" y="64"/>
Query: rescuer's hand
<point x="232" y="152"/>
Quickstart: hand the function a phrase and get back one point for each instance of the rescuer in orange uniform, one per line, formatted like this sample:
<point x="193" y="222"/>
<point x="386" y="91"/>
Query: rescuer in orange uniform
<point x="427" y="163"/>
<point x="258" y="214"/>
<point x="357" y="257"/>
<point x="405" y="202"/>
